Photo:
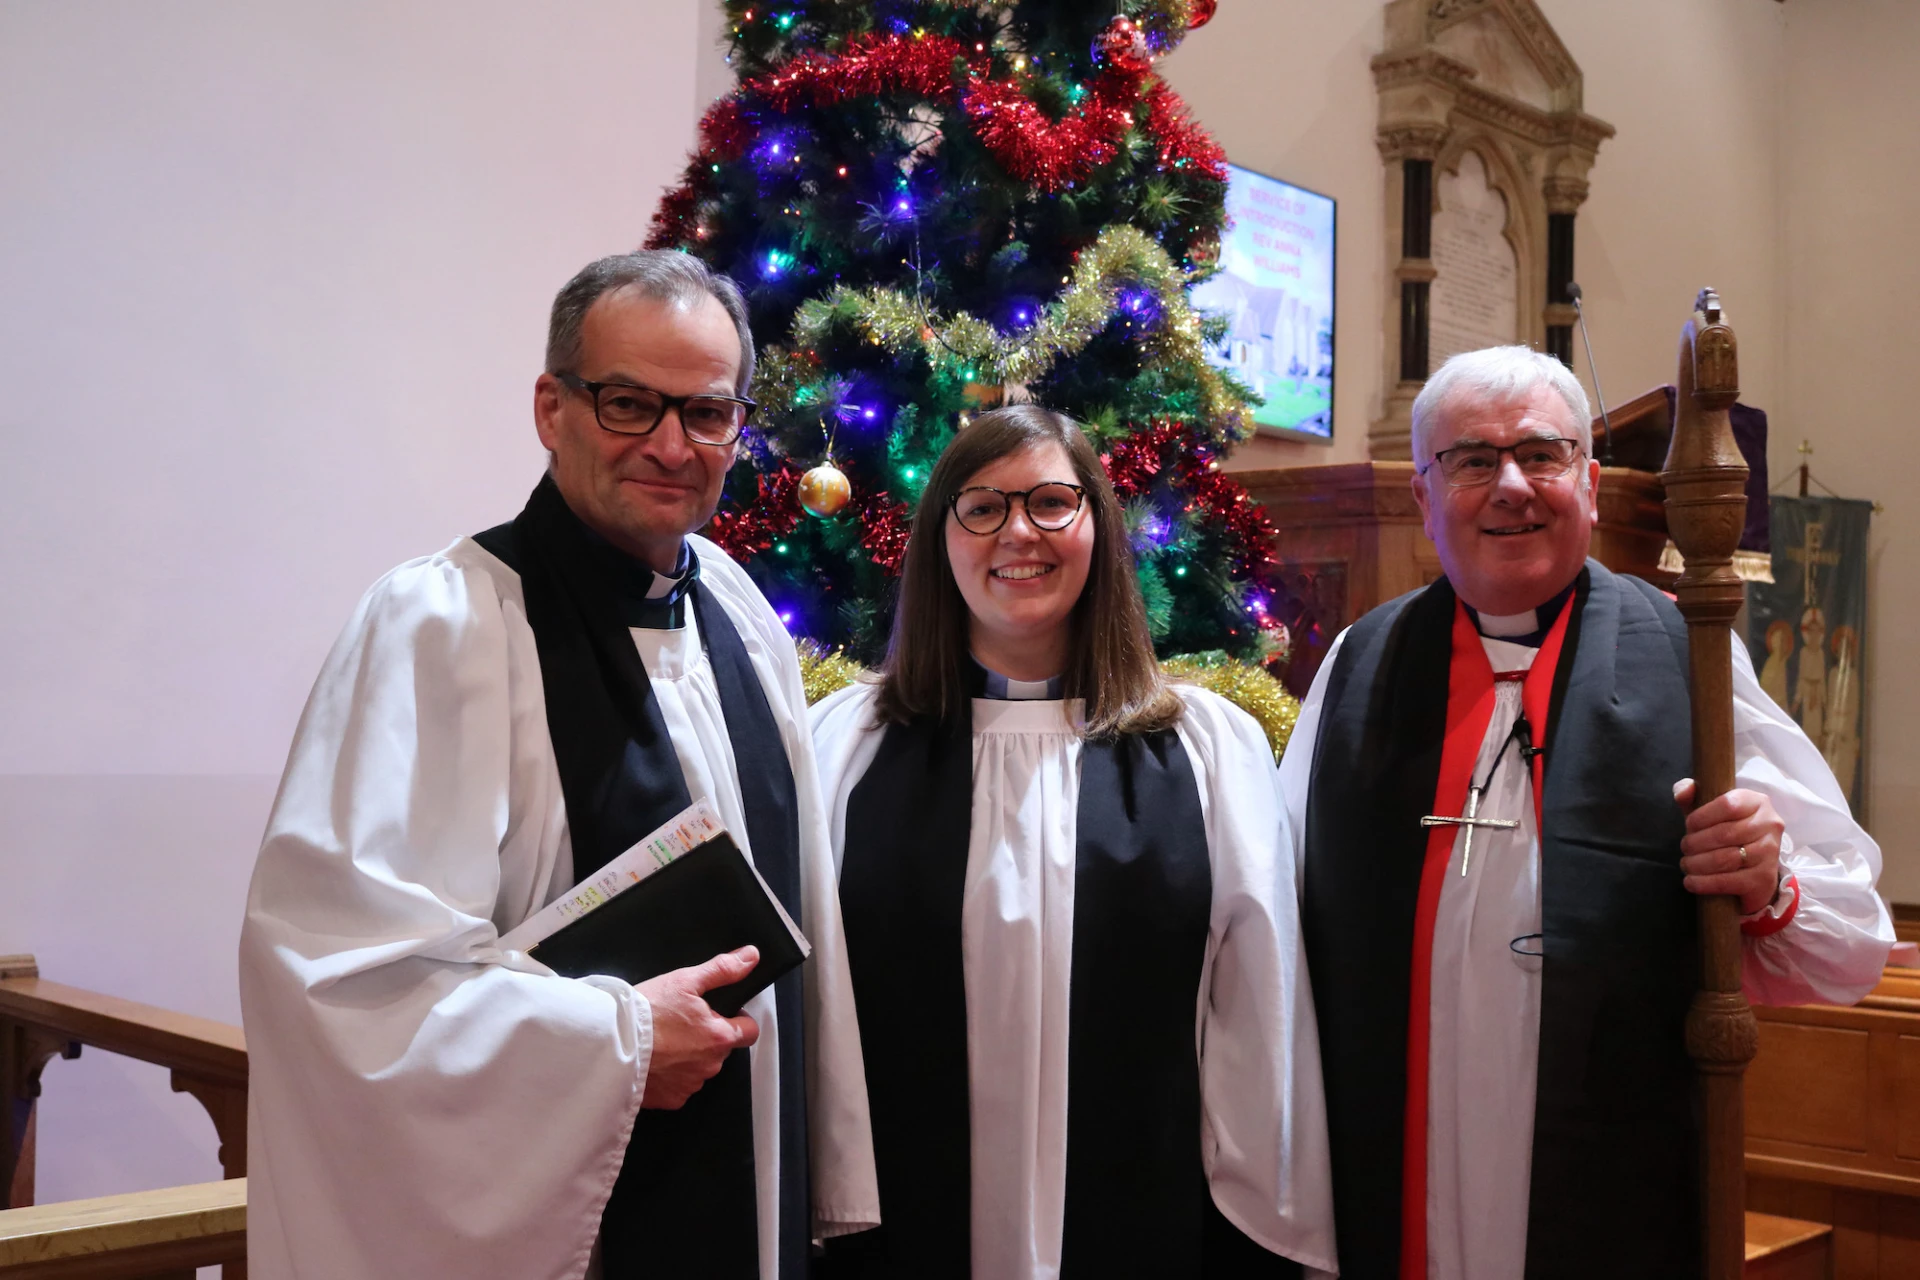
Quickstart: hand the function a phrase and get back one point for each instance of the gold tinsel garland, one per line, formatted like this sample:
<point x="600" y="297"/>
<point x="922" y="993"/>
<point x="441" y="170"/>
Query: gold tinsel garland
<point x="824" y="671"/>
<point x="1249" y="687"/>
<point x="979" y="352"/>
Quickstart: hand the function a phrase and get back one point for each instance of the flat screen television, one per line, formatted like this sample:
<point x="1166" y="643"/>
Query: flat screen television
<point x="1275" y="288"/>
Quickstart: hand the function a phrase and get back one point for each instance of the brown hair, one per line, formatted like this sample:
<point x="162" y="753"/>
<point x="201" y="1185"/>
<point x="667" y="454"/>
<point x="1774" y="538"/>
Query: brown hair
<point x="1110" y="662"/>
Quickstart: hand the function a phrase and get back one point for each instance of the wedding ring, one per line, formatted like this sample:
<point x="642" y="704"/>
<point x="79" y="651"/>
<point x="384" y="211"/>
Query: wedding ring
<point x="1743" y="857"/>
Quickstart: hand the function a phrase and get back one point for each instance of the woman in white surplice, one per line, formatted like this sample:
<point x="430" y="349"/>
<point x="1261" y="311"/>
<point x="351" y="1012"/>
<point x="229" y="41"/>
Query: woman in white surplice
<point x="1069" y="908"/>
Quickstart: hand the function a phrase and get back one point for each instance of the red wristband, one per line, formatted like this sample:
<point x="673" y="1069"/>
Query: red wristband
<point x="1763" y="925"/>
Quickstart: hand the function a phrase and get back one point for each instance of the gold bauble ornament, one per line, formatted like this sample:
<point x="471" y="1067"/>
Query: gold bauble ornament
<point x="825" y="490"/>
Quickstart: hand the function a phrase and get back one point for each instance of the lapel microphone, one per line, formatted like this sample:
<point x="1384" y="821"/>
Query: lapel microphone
<point x="1573" y="296"/>
<point x="1523" y="733"/>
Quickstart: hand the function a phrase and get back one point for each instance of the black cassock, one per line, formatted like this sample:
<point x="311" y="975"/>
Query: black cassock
<point x="1614" y="1143"/>
<point x="1137" y="1199"/>
<point x="685" y="1200"/>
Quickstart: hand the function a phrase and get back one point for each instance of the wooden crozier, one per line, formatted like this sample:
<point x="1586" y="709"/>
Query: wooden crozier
<point x="1705" y="480"/>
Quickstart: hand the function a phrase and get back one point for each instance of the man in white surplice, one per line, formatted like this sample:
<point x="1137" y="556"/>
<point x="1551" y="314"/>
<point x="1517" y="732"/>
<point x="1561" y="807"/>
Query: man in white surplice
<point x="1510" y="999"/>
<point x="424" y="1102"/>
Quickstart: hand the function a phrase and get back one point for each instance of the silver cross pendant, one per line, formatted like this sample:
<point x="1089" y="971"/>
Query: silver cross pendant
<point x="1470" y="820"/>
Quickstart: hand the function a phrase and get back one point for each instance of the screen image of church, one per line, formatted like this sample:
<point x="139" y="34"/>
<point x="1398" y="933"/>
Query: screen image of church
<point x="1281" y="346"/>
<point x="1275" y="292"/>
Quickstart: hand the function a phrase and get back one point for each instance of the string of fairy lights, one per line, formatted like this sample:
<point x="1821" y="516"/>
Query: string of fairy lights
<point x="1052" y="122"/>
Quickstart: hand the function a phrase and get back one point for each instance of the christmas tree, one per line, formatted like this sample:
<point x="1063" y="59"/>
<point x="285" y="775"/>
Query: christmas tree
<point x="936" y="205"/>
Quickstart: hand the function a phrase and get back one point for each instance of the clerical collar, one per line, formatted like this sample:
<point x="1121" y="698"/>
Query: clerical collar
<point x="1529" y="628"/>
<point x="991" y="684"/>
<point x="645" y="597"/>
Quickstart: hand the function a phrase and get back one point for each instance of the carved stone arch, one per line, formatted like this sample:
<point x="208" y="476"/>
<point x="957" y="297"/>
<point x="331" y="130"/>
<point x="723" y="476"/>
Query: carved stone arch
<point x="1492" y="77"/>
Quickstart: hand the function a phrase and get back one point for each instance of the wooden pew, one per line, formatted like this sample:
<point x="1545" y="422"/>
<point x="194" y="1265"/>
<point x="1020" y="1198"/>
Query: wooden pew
<point x="1833" y="1125"/>
<point x="1787" y="1249"/>
<point x="41" y="1020"/>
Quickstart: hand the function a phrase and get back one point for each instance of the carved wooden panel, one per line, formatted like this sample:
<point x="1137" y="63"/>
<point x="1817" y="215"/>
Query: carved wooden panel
<point x="1906" y="1118"/>
<point x="1805" y="1086"/>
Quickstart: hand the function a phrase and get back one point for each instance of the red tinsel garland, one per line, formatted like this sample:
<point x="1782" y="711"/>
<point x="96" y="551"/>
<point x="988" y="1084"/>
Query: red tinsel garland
<point x="725" y="131"/>
<point x="1182" y="141"/>
<point x="892" y="64"/>
<point x="1046" y="153"/>
<point x="750" y="530"/>
<point x="1185" y="455"/>
<point x="884" y="525"/>
<point x="1050" y="154"/>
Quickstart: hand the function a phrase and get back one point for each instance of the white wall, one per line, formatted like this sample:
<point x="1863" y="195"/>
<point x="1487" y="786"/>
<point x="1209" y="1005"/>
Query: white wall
<point x="273" y="289"/>
<point x="1850" y="200"/>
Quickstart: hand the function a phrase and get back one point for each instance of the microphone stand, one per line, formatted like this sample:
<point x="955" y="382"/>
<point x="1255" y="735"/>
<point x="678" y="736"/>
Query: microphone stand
<point x="1573" y="295"/>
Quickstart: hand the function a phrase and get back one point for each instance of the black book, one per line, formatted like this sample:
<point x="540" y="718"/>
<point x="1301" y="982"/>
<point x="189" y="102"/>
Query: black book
<point x="707" y="901"/>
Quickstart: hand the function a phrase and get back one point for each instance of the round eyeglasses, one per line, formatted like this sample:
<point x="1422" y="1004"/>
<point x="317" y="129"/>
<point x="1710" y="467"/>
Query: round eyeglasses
<point x="629" y="410"/>
<point x="1467" y="466"/>
<point x="1050" y="506"/>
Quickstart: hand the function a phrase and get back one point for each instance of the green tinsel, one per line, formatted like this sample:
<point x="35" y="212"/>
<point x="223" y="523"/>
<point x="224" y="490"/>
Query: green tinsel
<point x="1122" y="255"/>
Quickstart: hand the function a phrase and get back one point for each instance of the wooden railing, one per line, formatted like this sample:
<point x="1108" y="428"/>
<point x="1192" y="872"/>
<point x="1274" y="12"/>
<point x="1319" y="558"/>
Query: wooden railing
<point x="149" y="1235"/>
<point x="155" y="1233"/>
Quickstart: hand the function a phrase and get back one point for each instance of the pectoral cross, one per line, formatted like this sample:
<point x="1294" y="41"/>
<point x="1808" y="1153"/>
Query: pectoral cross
<point x="1471" y="820"/>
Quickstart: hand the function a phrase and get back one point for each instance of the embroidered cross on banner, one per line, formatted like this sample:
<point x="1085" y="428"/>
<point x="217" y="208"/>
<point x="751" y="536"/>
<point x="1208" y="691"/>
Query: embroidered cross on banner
<point x="1471" y="820"/>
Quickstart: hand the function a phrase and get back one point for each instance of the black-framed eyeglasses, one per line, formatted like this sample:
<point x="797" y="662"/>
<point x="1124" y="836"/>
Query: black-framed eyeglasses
<point x="1466" y="466"/>
<point x="629" y="410"/>
<point x="1050" y="506"/>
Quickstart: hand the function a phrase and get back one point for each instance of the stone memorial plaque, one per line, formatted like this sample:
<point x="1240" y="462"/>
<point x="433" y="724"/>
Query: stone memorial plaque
<point x="1473" y="301"/>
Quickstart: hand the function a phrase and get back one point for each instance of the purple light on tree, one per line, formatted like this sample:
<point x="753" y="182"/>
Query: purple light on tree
<point x="777" y="150"/>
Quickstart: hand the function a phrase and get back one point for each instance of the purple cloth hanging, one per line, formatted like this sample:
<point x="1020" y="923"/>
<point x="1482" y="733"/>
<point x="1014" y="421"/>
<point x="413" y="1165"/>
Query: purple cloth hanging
<point x="1750" y="432"/>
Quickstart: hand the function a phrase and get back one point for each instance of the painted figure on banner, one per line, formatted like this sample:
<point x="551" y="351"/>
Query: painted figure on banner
<point x="1842" y="742"/>
<point x="1809" y="705"/>
<point x="1773" y="676"/>
<point x="1806" y="627"/>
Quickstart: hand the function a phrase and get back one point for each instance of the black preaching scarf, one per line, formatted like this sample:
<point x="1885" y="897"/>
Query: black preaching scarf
<point x="1614" y="1140"/>
<point x="1137" y="1202"/>
<point x="685" y="1201"/>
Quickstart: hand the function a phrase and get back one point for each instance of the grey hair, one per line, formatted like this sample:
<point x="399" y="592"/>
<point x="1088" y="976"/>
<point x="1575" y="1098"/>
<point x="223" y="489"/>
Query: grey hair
<point x="1502" y="375"/>
<point x="665" y="275"/>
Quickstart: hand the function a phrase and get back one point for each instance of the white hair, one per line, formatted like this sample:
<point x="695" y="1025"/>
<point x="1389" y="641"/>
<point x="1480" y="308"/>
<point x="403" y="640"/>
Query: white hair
<point x="1502" y="375"/>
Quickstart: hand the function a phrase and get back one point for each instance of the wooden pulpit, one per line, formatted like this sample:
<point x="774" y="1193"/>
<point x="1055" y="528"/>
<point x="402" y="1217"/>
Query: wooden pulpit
<point x="1350" y="538"/>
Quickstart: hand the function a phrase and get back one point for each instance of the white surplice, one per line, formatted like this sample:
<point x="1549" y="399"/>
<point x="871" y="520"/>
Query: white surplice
<point x="423" y="1102"/>
<point x="1263" y="1121"/>
<point x="1483" y="1051"/>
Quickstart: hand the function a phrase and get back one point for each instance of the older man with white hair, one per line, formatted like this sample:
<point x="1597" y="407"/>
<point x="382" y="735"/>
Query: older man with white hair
<point x="1487" y="787"/>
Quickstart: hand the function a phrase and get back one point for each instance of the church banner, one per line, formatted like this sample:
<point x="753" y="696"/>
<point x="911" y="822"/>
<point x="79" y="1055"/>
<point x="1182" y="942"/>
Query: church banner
<point x="1806" y="630"/>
